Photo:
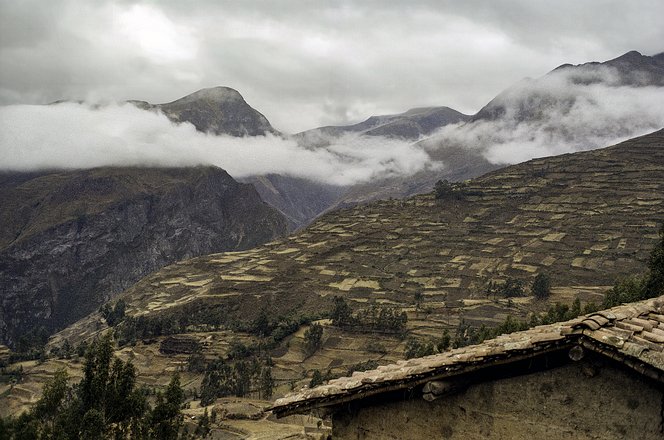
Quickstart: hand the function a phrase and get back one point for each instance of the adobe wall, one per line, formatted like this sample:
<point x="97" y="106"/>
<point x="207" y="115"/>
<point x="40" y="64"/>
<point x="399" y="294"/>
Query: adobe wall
<point x="562" y="403"/>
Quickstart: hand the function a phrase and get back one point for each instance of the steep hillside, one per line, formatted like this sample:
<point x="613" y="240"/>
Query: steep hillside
<point x="585" y="219"/>
<point x="70" y="240"/>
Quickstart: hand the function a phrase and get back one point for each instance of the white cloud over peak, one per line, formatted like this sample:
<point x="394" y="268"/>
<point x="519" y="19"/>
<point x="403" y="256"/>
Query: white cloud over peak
<point x="73" y="135"/>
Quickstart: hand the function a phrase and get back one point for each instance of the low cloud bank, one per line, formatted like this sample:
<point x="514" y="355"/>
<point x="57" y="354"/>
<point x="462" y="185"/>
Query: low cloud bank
<point x="565" y="111"/>
<point x="73" y="135"/>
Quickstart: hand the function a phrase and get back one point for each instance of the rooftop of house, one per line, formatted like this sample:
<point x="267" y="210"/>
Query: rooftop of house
<point x="632" y="334"/>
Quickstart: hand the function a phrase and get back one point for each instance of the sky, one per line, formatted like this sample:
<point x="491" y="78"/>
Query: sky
<point x="304" y="63"/>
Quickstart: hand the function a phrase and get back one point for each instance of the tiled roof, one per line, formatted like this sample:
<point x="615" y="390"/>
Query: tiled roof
<point x="632" y="334"/>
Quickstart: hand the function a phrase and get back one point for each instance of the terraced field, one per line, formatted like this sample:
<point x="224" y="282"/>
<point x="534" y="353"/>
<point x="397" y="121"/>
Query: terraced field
<point x="583" y="218"/>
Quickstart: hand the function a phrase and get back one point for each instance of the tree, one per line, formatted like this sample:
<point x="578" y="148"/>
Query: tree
<point x="316" y="379"/>
<point x="266" y="383"/>
<point x="261" y="325"/>
<point x="114" y="315"/>
<point x="444" y="342"/>
<point x="312" y="338"/>
<point x="511" y="288"/>
<point x="655" y="283"/>
<point x="166" y="417"/>
<point x="104" y="404"/>
<point x="416" y="348"/>
<point x="342" y="314"/>
<point x="203" y="428"/>
<point x="541" y="287"/>
<point x="443" y="189"/>
<point x="418" y="297"/>
<point x="242" y="379"/>
<point x="55" y="391"/>
<point x="96" y="370"/>
<point x="218" y="381"/>
<point x="93" y="425"/>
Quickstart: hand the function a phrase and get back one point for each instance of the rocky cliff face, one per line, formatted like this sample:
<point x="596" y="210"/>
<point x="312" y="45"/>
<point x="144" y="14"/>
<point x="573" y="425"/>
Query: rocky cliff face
<point x="70" y="240"/>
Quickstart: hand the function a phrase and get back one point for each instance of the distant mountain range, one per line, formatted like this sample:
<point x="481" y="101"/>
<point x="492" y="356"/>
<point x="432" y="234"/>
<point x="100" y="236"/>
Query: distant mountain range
<point x="411" y="125"/>
<point x="221" y="110"/>
<point x="529" y="101"/>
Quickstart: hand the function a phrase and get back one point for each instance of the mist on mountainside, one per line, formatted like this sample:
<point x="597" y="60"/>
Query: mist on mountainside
<point x="71" y="135"/>
<point x="572" y="108"/>
<point x="568" y="110"/>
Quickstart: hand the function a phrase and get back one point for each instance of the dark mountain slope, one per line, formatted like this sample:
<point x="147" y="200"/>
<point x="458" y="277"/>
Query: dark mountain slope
<point x="69" y="240"/>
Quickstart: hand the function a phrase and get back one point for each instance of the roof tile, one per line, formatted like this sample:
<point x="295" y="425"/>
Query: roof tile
<point x="628" y="332"/>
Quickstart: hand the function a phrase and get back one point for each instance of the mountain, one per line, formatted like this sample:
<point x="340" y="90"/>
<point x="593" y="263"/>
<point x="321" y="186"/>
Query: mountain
<point x="585" y="219"/>
<point x="70" y="240"/>
<point x="411" y="125"/>
<point x="549" y="108"/>
<point x="532" y="99"/>
<point x="223" y="111"/>
<point x="543" y="102"/>
<point x="630" y="69"/>
<point x="218" y="110"/>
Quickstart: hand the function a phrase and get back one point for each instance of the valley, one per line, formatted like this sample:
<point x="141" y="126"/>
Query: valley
<point x="585" y="219"/>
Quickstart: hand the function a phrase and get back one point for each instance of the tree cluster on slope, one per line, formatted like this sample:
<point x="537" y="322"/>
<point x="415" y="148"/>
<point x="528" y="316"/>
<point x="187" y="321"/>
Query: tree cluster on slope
<point x="639" y="287"/>
<point x="465" y="334"/>
<point x="105" y="404"/>
<point x="374" y="318"/>
<point x="224" y="378"/>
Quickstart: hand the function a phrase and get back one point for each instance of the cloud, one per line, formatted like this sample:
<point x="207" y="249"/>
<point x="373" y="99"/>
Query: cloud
<point x="80" y="136"/>
<point x="308" y="63"/>
<point x="562" y="112"/>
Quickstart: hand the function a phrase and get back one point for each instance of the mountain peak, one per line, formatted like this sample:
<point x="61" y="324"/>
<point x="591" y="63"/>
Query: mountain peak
<point x="214" y="94"/>
<point x="219" y="110"/>
<point x="631" y="57"/>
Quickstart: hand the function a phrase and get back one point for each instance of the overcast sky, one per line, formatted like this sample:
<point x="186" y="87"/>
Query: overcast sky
<point x="308" y="63"/>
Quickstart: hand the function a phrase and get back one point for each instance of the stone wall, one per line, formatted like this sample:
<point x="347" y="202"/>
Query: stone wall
<point x="575" y="401"/>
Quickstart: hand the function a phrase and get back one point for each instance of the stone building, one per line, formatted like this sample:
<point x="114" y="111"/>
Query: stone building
<point x="599" y="376"/>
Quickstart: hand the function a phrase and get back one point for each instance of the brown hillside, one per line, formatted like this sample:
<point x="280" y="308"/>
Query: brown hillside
<point x="584" y="218"/>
